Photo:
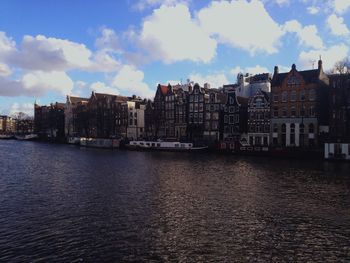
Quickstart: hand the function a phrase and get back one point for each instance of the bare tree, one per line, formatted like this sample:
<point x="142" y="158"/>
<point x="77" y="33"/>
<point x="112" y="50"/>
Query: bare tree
<point x="342" y="67"/>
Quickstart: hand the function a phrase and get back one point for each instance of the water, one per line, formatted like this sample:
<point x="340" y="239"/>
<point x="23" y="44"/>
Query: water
<point x="61" y="203"/>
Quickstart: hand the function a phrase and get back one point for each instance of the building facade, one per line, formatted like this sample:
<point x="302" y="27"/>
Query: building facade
<point x="299" y="106"/>
<point x="136" y="120"/>
<point x="235" y="118"/>
<point x="196" y="110"/>
<point x="213" y="112"/>
<point x="49" y="121"/>
<point x="159" y="111"/>
<point x="7" y="124"/>
<point x="259" y="119"/>
<point x="72" y="125"/>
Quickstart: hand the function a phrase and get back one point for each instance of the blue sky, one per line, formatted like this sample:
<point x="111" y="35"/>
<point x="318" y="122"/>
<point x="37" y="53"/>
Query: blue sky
<point x="52" y="48"/>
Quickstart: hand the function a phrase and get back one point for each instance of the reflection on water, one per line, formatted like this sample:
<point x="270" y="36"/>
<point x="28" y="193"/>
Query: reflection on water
<point x="68" y="204"/>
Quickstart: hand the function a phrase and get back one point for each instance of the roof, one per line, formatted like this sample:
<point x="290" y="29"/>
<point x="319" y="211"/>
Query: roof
<point x="260" y="77"/>
<point x="266" y="95"/>
<point x="77" y="99"/>
<point x="163" y="89"/>
<point x="309" y="76"/>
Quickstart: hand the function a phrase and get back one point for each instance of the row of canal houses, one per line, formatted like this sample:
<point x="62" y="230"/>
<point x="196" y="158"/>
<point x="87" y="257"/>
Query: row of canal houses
<point x="295" y="109"/>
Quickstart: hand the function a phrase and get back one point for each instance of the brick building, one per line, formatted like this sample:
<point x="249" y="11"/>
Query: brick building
<point x="299" y="107"/>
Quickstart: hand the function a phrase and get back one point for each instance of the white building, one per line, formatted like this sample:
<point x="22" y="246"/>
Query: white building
<point x="136" y="120"/>
<point x="248" y="85"/>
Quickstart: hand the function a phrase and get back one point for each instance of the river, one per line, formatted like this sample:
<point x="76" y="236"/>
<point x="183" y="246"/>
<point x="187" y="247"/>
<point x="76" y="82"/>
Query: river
<point x="62" y="203"/>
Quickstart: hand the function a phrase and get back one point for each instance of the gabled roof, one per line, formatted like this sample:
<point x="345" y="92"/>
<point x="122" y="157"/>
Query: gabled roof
<point x="309" y="76"/>
<point x="77" y="99"/>
<point x="163" y="89"/>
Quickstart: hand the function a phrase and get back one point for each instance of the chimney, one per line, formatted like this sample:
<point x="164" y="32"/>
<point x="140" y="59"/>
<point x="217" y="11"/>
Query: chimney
<point x="320" y="64"/>
<point x="276" y="70"/>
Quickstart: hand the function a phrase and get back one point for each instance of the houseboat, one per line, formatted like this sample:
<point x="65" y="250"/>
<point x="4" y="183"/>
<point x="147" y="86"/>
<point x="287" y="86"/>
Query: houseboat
<point x="163" y="146"/>
<point x="27" y="137"/>
<point x="6" y="137"/>
<point x="99" y="143"/>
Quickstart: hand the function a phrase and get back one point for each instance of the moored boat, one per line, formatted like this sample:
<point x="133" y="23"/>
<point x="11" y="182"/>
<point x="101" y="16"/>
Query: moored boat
<point x="27" y="137"/>
<point x="99" y="143"/>
<point x="6" y="137"/>
<point x="163" y="146"/>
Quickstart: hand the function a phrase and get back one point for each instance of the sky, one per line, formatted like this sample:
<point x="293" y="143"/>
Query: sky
<point x="50" y="49"/>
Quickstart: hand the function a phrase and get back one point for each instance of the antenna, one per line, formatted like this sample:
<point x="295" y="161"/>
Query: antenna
<point x="313" y="63"/>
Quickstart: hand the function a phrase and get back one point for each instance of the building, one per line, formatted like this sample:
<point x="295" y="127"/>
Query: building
<point x="159" y="111"/>
<point x="107" y="116"/>
<point x="213" y="111"/>
<point x="49" y="121"/>
<point x="235" y="118"/>
<point x="338" y="145"/>
<point x="196" y="110"/>
<point x="248" y="85"/>
<point x="299" y="107"/>
<point x="181" y="109"/>
<point x="259" y="119"/>
<point x="7" y="124"/>
<point x="136" y="120"/>
<point x="149" y="120"/>
<point x="73" y="126"/>
<point x="169" y="112"/>
<point x="25" y="125"/>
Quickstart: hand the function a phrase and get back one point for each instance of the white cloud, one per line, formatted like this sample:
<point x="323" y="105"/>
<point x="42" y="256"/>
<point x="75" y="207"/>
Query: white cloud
<point x="337" y="26"/>
<point x="282" y="2"/>
<point x="54" y="54"/>
<point x="251" y="70"/>
<point x="36" y="83"/>
<point x="307" y="35"/>
<point x="27" y="108"/>
<point x="41" y="82"/>
<point x="215" y="80"/>
<point x="108" y="40"/>
<point x="313" y="10"/>
<point x="129" y="81"/>
<point x="101" y="87"/>
<point x="241" y="24"/>
<point x="329" y="56"/>
<point x="341" y="6"/>
<point x="171" y="35"/>
<point x="4" y="70"/>
<point x="143" y="4"/>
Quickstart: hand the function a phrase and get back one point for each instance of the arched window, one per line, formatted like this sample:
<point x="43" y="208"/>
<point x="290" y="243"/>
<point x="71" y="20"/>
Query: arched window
<point x="284" y="134"/>
<point x="292" y="134"/>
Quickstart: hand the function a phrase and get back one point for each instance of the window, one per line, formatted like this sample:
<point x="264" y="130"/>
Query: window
<point x="275" y="111"/>
<point x="284" y="112"/>
<point x="231" y="109"/>
<point x="312" y="111"/>
<point x="225" y="119"/>
<point x="293" y="112"/>
<point x="284" y="96"/>
<point x="275" y="128"/>
<point x="232" y="119"/>
<point x="258" y="103"/>
<point x="201" y="107"/>
<point x="275" y="97"/>
<point x="292" y="134"/>
<point x="311" y="128"/>
<point x="191" y="107"/>
<point x="302" y="95"/>
<point x="293" y="95"/>
<point x="312" y="95"/>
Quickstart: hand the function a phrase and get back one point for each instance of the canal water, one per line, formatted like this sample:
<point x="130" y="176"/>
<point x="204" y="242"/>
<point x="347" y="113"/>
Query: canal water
<point x="62" y="203"/>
